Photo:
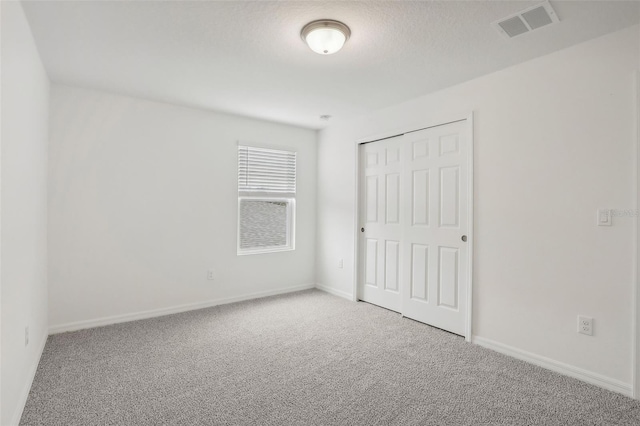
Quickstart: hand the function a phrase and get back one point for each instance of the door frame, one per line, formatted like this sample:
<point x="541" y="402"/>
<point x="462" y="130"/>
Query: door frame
<point x="435" y="122"/>
<point x="635" y="325"/>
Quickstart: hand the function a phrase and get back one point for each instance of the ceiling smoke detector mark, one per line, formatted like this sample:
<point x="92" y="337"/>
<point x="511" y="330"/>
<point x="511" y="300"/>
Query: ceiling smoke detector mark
<point x="527" y="20"/>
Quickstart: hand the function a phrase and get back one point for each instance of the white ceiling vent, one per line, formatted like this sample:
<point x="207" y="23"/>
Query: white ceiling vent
<point x="527" y="20"/>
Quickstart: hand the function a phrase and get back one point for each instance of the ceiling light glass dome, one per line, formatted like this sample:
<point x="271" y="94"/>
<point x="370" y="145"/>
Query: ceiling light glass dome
<point x="325" y="36"/>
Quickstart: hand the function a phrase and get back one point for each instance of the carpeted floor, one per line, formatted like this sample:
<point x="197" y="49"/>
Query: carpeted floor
<point x="305" y="358"/>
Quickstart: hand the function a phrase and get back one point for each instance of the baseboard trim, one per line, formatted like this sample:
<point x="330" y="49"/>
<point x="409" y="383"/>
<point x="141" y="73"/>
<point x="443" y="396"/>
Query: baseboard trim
<point x="116" y="319"/>
<point x="335" y="292"/>
<point x="24" y="394"/>
<point x="557" y="366"/>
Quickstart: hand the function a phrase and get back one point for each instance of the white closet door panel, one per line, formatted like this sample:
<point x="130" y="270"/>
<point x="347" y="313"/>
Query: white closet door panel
<point x="392" y="198"/>
<point x="371" y="262"/>
<point x="381" y="198"/>
<point x="450" y="197"/>
<point x="391" y="266"/>
<point x="420" y="197"/>
<point x="371" y="197"/>
<point x="448" y="277"/>
<point x="436" y="219"/>
<point x="419" y="272"/>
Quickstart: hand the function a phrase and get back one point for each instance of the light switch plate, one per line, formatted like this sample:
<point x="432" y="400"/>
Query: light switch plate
<point x="604" y="217"/>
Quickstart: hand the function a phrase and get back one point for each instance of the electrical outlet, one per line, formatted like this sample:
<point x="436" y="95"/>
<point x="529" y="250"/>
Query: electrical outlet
<point x="585" y="325"/>
<point x="210" y="274"/>
<point x="26" y="336"/>
<point x="340" y="263"/>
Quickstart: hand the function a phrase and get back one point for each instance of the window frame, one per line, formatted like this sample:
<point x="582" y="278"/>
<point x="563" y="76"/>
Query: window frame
<point x="287" y="197"/>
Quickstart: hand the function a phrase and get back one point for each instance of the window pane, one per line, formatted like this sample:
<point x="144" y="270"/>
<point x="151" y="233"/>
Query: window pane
<point x="263" y="223"/>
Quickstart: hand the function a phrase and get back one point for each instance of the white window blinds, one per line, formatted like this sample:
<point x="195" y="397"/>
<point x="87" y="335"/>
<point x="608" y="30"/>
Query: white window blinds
<point x="266" y="170"/>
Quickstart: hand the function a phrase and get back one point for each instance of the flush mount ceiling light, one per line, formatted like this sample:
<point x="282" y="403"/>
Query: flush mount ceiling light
<point x="325" y="36"/>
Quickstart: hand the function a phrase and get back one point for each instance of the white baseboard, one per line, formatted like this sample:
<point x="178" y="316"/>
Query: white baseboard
<point x="99" y="322"/>
<point x="335" y="292"/>
<point x="24" y="394"/>
<point x="557" y="366"/>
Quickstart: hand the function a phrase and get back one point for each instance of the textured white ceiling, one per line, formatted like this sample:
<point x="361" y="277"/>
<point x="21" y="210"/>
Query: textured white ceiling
<point x="247" y="57"/>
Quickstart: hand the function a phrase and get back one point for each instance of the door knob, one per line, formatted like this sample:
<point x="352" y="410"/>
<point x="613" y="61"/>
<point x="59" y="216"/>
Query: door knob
<point x="361" y="229"/>
<point x="464" y="238"/>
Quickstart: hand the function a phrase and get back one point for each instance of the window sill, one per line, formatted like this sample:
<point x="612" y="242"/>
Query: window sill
<point x="264" y="250"/>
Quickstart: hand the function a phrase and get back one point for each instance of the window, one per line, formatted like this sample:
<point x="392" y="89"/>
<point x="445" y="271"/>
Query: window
<point x="266" y="200"/>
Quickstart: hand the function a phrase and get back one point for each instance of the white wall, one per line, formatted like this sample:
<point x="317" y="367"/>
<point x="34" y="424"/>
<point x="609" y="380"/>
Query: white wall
<point x="554" y="141"/>
<point x="143" y="201"/>
<point x="25" y="103"/>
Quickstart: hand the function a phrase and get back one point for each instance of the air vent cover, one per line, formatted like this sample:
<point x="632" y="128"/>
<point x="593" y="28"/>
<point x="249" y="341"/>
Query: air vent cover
<point x="513" y="26"/>
<point x="527" y="20"/>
